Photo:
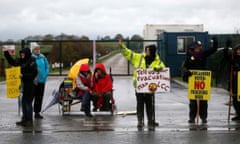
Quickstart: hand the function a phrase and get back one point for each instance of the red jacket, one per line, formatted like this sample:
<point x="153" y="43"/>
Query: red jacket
<point x="103" y="84"/>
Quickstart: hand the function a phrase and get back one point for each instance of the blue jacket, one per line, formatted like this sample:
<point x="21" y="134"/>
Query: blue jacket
<point x="43" y="67"/>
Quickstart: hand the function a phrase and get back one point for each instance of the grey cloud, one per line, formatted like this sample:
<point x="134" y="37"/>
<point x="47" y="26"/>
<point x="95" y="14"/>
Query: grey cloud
<point x="101" y="17"/>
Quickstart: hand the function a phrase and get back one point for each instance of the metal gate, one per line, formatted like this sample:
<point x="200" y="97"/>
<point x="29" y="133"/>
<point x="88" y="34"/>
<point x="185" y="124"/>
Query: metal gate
<point x="62" y="54"/>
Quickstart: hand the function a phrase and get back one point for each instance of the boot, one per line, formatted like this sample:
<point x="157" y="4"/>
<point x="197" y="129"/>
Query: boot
<point x="38" y="116"/>
<point x="25" y="122"/>
<point x="140" y="124"/>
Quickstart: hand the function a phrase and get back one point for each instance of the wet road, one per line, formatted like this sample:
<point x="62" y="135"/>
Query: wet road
<point x="171" y="113"/>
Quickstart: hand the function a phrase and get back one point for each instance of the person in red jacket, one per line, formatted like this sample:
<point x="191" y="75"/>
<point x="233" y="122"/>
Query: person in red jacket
<point x="103" y="86"/>
<point x="84" y="86"/>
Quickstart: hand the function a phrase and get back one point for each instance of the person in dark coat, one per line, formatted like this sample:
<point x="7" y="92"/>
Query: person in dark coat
<point x="235" y="63"/>
<point x="28" y="74"/>
<point x="196" y="60"/>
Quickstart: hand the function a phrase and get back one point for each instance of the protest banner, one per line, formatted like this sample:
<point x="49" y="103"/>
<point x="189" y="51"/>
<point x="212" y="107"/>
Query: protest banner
<point x="151" y="81"/>
<point x="13" y="82"/>
<point x="10" y="49"/>
<point x="199" y="85"/>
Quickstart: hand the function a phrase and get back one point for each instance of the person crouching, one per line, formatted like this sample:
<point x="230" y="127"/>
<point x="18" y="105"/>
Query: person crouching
<point x="84" y="85"/>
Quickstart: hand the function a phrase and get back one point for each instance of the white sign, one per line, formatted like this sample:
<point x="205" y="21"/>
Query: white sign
<point x="10" y="49"/>
<point x="151" y="81"/>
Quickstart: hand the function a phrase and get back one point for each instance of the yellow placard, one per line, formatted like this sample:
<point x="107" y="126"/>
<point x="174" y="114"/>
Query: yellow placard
<point x="13" y="82"/>
<point x="199" y="85"/>
<point x="238" y="87"/>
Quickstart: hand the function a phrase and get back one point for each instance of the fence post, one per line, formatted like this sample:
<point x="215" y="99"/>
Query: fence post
<point x="23" y="44"/>
<point x="60" y="57"/>
<point x="128" y="66"/>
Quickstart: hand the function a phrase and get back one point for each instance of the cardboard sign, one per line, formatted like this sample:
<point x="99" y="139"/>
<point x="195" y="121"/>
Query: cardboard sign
<point x="13" y="82"/>
<point x="238" y="87"/>
<point x="10" y="48"/>
<point x="199" y="85"/>
<point x="150" y="81"/>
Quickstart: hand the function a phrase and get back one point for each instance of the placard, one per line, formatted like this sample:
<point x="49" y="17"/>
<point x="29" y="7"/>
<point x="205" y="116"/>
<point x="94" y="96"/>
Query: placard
<point x="199" y="85"/>
<point x="13" y="82"/>
<point x="151" y="81"/>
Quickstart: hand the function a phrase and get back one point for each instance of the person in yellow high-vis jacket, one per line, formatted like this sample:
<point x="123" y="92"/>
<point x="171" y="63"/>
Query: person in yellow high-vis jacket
<point x="149" y="59"/>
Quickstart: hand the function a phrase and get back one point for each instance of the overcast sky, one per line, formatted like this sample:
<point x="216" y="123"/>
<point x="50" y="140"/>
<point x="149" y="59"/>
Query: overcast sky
<point x="20" y="18"/>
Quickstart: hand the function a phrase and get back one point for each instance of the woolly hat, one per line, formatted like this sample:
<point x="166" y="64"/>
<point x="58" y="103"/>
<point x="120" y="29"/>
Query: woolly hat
<point x="34" y="45"/>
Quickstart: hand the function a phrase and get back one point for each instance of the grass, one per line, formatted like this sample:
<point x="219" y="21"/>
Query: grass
<point x="2" y="78"/>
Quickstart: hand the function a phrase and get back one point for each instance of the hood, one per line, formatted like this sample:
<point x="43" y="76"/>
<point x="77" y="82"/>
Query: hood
<point x="27" y="53"/>
<point x="84" y="68"/>
<point x="101" y="67"/>
<point x="152" y="49"/>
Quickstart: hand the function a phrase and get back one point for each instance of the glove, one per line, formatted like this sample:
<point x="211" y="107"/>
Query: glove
<point x="188" y="73"/>
<point x="89" y="90"/>
<point x="157" y="69"/>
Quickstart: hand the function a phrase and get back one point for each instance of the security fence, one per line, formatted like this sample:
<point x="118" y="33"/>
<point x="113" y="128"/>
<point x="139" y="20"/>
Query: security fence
<point x="62" y="54"/>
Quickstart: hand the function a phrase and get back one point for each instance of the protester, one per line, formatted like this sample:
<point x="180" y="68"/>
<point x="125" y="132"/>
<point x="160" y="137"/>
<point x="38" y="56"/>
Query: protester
<point x="102" y="87"/>
<point x="234" y="61"/>
<point x="84" y="86"/>
<point x="43" y="70"/>
<point x="149" y="59"/>
<point x="196" y="60"/>
<point x="28" y="74"/>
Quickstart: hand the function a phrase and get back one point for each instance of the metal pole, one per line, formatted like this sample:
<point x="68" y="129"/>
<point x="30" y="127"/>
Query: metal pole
<point x="198" y="110"/>
<point x="153" y="110"/>
<point x="60" y="57"/>
<point x="94" y="54"/>
<point x="231" y="91"/>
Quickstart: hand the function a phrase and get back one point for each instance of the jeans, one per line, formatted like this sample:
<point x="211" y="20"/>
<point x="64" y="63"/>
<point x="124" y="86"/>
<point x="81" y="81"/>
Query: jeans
<point x="27" y="109"/>
<point x="86" y="102"/>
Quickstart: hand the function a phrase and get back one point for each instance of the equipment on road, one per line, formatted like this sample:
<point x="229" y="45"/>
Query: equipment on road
<point x="69" y="95"/>
<point x="69" y="98"/>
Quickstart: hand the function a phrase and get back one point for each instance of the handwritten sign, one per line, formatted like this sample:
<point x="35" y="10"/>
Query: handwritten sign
<point x="199" y="85"/>
<point x="13" y="82"/>
<point x="10" y="49"/>
<point x="150" y="81"/>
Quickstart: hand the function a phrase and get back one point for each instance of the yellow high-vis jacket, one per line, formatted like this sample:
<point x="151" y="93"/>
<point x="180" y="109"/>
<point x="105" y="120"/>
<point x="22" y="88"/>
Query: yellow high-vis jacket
<point x="138" y="61"/>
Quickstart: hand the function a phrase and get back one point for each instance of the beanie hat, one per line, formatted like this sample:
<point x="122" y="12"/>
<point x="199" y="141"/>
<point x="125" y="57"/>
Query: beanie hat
<point x="34" y="45"/>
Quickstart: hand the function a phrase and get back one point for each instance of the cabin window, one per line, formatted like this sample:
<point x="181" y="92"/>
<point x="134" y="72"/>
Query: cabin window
<point x="183" y="42"/>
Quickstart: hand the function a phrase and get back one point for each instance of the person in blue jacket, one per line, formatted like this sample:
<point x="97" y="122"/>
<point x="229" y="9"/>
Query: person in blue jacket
<point x="43" y="70"/>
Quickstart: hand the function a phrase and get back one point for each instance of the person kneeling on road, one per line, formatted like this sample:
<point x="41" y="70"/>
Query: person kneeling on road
<point x="84" y="85"/>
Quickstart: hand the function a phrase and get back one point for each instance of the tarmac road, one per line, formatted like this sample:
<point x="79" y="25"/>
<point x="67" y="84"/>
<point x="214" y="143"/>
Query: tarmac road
<point x="171" y="113"/>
